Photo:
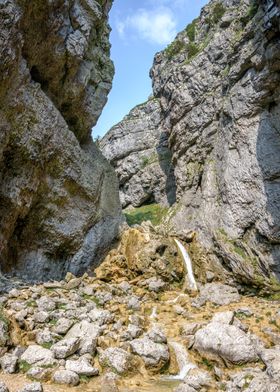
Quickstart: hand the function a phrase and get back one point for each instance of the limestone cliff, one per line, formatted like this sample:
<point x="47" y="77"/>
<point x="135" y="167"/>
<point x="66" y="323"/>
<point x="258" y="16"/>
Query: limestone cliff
<point x="138" y="149"/>
<point x="59" y="203"/>
<point x="217" y="86"/>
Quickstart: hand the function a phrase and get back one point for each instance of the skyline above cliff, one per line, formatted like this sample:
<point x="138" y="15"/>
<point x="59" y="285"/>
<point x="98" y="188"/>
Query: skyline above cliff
<point x="138" y="32"/>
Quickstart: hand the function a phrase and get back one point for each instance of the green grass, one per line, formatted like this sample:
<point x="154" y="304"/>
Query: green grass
<point x="47" y="345"/>
<point x="53" y="322"/>
<point x="84" y="379"/>
<point x="152" y="212"/>
<point x="24" y="366"/>
<point x="192" y="50"/>
<point x="190" y="29"/>
<point x="174" y="48"/>
<point x="218" y="12"/>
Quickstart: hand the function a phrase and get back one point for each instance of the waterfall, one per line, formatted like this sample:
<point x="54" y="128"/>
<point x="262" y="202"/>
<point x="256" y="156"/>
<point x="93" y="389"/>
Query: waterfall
<point x="154" y="313"/>
<point x="183" y="361"/>
<point x="188" y="264"/>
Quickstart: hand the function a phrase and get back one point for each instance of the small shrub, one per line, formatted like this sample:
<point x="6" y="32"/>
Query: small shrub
<point x="24" y="366"/>
<point x="190" y="29"/>
<point x="192" y="49"/>
<point x="218" y="12"/>
<point x="174" y="48"/>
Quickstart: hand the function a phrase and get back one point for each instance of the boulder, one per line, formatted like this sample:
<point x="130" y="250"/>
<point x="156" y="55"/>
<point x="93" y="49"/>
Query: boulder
<point x="66" y="377"/>
<point x="154" y="355"/>
<point x="117" y="359"/>
<point x="216" y="341"/>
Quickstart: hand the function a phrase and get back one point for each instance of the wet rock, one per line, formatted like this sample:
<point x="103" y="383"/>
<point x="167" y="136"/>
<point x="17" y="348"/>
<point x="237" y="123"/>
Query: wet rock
<point x="195" y="380"/>
<point x="216" y="341"/>
<point x="117" y="359"/>
<point x="153" y="354"/>
<point x="3" y="387"/>
<point x="38" y="355"/>
<point x="65" y="347"/>
<point x="81" y="367"/>
<point x="33" y="387"/>
<point x="66" y="377"/>
<point x="217" y="293"/>
<point x="9" y="363"/>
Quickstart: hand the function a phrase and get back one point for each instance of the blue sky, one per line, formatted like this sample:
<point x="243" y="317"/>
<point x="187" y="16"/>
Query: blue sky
<point x="139" y="30"/>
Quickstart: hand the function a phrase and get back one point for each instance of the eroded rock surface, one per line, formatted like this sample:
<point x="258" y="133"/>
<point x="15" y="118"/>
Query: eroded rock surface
<point x="138" y="149"/>
<point x="59" y="202"/>
<point x="217" y="86"/>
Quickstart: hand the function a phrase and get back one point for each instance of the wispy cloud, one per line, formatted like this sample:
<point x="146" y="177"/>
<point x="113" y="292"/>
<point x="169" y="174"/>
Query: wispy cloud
<point x="157" y="26"/>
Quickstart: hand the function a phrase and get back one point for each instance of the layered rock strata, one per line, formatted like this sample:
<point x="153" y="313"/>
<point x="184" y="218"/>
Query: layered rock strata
<point x="59" y="203"/>
<point x="217" y="86"/>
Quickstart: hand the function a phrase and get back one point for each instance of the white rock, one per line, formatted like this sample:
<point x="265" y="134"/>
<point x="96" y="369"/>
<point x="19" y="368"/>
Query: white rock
<point x="216" y="341"/>
<point x="101" y="317"/>
<point x="3" y="387"/>
<point x="116" y="358"/>
<point x="66" y="377"/>
<point x="87" y="333"/>
<point x="33" y="387"/>
<point x="81" y="367"/>
<point x="46" y="304"/>
<point x="38" y="355"/>
<point x="152" y="353"/>
<point x="41" y="317"/>
<point x="65" y="347"/>
<point x="223" y="317"/>
<point x="9" y="363"/>
<point x="63" y="325"/>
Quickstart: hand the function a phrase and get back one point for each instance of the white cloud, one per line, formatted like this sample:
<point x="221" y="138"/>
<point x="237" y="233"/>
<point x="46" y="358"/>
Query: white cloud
<point x="155" y="26"/>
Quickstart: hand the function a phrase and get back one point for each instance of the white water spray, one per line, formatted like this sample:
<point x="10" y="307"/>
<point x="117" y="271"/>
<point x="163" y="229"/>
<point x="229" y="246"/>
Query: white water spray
<point x="154" y="313"/>
<point x="188" y="264"/>
<point x="183" y="361"/>
<point x="173" y="301"/>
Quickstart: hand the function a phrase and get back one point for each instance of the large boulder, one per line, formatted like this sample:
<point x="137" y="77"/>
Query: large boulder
<point x="59" y="202"/>
<point x="222" y="342"/>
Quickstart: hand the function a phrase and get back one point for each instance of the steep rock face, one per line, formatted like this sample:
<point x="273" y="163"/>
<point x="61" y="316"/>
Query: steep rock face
<point x="59" y="203"/>
<point x="138" y="149"/>
<point x="218" y="87"/>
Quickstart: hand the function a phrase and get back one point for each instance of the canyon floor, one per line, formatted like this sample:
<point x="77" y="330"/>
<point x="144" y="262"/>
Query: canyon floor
<point x="133" y="325"/>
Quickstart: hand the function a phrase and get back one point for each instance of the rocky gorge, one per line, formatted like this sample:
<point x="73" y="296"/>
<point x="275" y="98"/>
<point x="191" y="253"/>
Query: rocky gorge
<point x="184" y="297"/>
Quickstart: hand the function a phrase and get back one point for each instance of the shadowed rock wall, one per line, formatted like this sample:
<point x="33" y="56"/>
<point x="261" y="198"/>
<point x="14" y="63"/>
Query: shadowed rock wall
<point x="59" y="204"/>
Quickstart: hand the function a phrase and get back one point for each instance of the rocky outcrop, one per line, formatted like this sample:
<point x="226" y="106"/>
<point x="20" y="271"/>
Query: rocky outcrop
<point x="138" y="149"/>
<point x="218" y="89"/>
<point x="59" y="203"/>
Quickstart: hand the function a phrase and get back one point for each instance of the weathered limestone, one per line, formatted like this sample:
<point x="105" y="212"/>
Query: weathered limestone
<point x="59" y="203"/>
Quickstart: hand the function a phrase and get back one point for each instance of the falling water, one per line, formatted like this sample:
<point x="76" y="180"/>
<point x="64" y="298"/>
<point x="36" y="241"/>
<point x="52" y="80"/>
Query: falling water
<point x="183" y="361"/>
<point x="154" y="313"/>
<point x="188" y="265"/>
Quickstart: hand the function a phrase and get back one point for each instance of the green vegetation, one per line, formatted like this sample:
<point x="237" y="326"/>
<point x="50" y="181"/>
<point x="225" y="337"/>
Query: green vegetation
<point x="24" y="366"/>
<point x="53" y="322"/>
<point x="253" y="9"/>
<point x="92" y="298"/>
<point x="207" y="363"/>
<point x="218" y="12"/>
<point x="31" y="304"/>
<point x="47" y="345"/>
<point x="3" y="318"/>
<point x="145" y="161"/>
<point x="192" y="50"/>
<point x="174" y="48"/>
<point x="153" y="212"/>
<point x="84" y="379"/>
<point x="191" y="29"/>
